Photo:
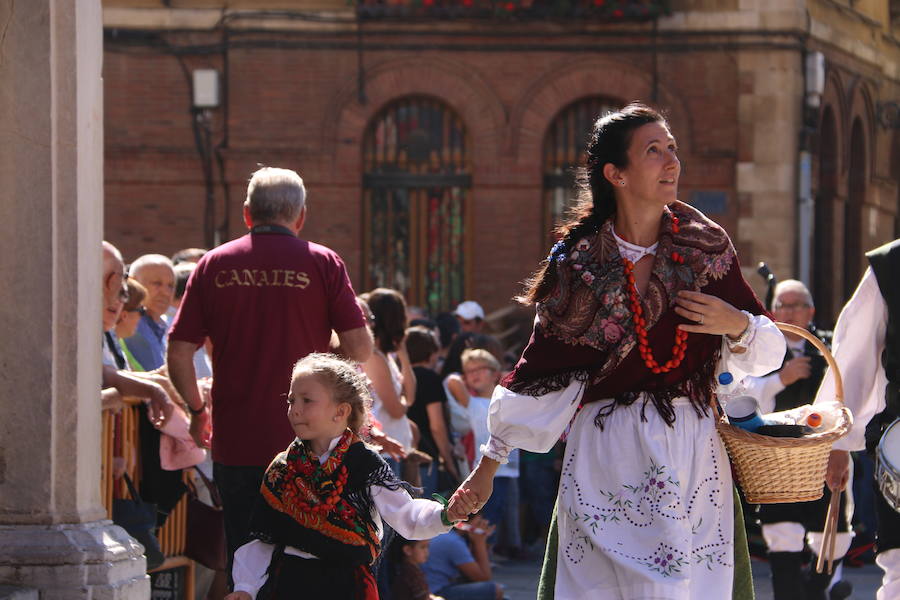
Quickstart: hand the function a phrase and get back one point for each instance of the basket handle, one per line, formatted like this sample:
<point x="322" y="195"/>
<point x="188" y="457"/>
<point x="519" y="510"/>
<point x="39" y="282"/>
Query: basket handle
<point x="829" y="358"/>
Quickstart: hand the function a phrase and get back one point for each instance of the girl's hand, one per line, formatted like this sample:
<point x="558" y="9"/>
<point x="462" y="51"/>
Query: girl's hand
<point x="238" y="596"/>
<point x="462" y="504"/>
<point x="481" y="482"/>
<point x="712" y="315"/>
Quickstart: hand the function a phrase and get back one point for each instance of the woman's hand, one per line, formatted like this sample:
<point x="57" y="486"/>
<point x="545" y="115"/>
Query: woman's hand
<point x="462" y="504"/>
<point x="480" y="482"/>
<point x="238" y="596"/>
<point x="712" y="315"/>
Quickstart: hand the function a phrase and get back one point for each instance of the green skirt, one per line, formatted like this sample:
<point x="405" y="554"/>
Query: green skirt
<point x="743" y="577"/>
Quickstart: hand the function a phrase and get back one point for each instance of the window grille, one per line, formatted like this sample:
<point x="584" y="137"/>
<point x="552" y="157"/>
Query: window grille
<point x="416" y="195"/>
<point x="565" y="149"/>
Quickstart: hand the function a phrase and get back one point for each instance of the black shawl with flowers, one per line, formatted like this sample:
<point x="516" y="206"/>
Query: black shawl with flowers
<point x="326" y="510"/>
<point x="585" y="328"/>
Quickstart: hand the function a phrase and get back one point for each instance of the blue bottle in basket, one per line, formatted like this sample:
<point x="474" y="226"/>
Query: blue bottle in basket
<point x="742" y="409"/>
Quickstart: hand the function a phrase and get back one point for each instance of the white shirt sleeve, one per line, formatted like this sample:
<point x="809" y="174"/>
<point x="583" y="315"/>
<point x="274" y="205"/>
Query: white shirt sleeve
<point x="414" y="519"/>
<point x="533" y="423"/>
<point x="764" y="389"/>
<point x="251" y="561"/>
<point x="764" y="351"/>
<point x="857" y="347"/>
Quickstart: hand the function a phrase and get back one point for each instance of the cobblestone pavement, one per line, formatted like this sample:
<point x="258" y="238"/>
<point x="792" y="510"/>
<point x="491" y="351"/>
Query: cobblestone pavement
<point x="521" y="577"/>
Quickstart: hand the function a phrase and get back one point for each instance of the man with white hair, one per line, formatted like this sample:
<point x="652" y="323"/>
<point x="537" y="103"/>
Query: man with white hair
<point x="787" y="527"/>
<point x="148" y="344"/>
<point x="264" y="300"/>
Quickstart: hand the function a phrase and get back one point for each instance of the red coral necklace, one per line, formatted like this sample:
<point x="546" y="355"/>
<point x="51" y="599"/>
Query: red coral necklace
<point x="680" y="347"/>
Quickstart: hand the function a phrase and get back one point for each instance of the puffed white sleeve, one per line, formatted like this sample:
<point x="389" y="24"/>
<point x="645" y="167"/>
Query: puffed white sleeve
<point x="412" y="518"/>
<point x="251" y="563"/>
<point x="761" y="352"/>
<point x="857" y="346"/>
<point x="533" y="423"/>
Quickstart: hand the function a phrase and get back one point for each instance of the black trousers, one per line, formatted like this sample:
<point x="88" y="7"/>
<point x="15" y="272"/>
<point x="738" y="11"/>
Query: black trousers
<point x="809" y="514"/>
<point x="239" y="488"/>
<point x="888" y="523"/>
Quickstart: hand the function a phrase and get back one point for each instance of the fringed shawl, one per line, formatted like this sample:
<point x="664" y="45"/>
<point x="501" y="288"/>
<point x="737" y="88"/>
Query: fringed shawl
<point x="585" y="330"/>
<point x="348" y="532"/>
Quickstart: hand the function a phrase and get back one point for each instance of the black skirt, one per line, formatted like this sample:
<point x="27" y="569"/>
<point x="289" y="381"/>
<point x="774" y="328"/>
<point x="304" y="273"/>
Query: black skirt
<point x="295" y="578"/>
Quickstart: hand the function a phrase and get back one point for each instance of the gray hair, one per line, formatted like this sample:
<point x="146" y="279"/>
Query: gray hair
<point x="793" y="285"/>
<point x="150" y="260"/>
<point x="275" y="196"/>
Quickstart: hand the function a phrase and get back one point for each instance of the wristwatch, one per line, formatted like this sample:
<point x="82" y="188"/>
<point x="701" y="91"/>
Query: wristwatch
<point x="199" y="410"/>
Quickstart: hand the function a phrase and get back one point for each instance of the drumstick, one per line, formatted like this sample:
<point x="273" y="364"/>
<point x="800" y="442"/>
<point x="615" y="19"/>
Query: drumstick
<point x="829" y="534"/>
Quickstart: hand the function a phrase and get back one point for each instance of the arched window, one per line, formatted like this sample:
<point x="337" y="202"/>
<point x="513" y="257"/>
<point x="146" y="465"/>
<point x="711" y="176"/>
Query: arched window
<point x="565" y="148"/>
<point x="824" y="232"/>
<point x="853" y="209"/>
<point x="416" y="190"/>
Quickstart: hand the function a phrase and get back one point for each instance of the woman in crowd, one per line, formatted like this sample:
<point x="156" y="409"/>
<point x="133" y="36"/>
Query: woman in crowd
<point x="394" y="385"/>
<point x="640" y="305"/>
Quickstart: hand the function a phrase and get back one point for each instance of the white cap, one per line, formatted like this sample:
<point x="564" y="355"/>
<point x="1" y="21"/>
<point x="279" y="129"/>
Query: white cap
<point x="469" y="310"/>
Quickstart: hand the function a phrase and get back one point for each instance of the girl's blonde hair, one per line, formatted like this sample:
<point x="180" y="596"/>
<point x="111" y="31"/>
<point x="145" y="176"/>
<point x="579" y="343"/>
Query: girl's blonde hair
<point x="343" y="380"/>
<point x="480" y="355"/>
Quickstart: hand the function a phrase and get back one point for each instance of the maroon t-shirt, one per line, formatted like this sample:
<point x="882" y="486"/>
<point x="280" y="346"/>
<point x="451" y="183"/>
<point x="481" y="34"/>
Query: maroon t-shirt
<point x="265" y="301"/>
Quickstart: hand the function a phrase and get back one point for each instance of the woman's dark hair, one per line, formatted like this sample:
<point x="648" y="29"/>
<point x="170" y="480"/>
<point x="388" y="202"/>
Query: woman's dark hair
<point x="596" y="200"/>
<point x="449" y="327"/>
<point x="389" y="309"/>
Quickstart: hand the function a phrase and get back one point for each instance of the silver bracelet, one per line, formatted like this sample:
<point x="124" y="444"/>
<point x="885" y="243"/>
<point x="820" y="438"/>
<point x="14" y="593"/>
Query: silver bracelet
<point x="743" y="340"/>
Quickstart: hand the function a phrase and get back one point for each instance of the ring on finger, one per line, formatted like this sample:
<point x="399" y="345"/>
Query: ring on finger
<point x="700" y="320"/>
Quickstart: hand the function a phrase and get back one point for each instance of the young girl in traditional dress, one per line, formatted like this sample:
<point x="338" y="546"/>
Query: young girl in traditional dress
<point x="317" y="524"/>
<point x="640" y="305"/>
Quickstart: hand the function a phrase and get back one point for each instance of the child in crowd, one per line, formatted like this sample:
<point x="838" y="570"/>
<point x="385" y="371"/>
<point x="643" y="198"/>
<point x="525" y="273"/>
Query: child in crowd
<point x="481" y="372"/>
<point x="409" y="580"/>
<point x="316" y="528"/>
<point x="458" y="566"/>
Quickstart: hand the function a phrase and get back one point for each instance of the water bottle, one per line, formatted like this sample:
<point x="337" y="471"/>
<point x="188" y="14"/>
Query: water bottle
<point x="742" y="409"/>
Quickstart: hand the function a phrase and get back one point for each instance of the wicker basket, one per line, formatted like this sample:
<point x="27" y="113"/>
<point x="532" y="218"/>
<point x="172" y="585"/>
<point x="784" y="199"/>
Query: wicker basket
<point x="771" y="470"/>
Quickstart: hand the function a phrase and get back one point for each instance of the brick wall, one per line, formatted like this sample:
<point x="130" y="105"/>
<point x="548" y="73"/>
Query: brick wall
<point x="298" y="108"/>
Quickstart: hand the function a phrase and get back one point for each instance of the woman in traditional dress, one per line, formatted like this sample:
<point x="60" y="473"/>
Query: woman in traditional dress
<point x="639" y="306"/>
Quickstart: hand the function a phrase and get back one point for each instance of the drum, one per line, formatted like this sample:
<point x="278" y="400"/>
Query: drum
<point x="887" y="465"/>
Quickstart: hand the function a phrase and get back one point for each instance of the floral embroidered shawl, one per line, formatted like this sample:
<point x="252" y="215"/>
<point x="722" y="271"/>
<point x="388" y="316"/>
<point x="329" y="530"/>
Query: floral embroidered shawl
<point x="584" y="328"/>
<point x="347" y="533"/>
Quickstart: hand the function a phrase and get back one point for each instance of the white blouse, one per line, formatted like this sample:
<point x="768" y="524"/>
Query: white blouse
<point x="535" y="423"/>
<point x="857" y="346"/>
<point x="414" y="519"/>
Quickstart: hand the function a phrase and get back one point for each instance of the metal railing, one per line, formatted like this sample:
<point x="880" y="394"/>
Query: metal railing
<point x="121" y="437"/>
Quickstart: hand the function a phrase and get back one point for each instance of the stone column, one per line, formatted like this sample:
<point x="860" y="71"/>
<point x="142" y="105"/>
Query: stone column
<point x="54" y="536"/>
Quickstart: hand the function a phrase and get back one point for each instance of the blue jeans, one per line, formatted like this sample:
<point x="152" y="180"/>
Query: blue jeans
<point x="477" y="590"/>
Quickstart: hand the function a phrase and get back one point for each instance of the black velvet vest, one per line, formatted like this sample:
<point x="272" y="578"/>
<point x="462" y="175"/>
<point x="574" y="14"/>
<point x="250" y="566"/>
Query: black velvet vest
<point x="885" y="262"/>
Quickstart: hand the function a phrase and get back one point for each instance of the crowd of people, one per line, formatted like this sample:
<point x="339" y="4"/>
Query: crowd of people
<point x="428" y="381"/>
<point x="346" y="431"/>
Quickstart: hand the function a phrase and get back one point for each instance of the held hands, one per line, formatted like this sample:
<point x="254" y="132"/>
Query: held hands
<point x="709" y="314"/>
<point x="475" y="491"/>
<point x="462" y="504"/>
<point x="838" y="471"/>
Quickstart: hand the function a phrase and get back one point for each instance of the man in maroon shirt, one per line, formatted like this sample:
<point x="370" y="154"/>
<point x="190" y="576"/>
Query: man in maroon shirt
<point x="264" y="300"/>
